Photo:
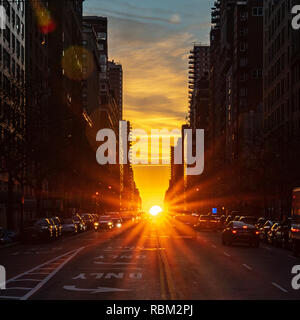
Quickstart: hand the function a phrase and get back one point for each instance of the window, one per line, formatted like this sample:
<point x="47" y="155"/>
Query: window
<point x="244" y="16"/>
<point x="101" y="35"/>
<point x="243" y="62"/>
<point x="257" y="11"/>
<point x="243" y="46"/>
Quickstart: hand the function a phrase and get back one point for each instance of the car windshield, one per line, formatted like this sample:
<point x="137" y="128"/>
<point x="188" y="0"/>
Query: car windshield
<point x="238" y="224"/>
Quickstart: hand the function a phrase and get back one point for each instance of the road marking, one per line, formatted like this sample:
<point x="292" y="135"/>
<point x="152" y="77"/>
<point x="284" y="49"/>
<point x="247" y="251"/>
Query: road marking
<point x="279" y="287"/>
<point x="246" y="266"/>
<point x="115" y="263"/>
<point x="267" y="248"/>
<point x="214" y="246"/>
<point x="96" y="290"/>
<point x="227" y="254"/>
<point x="65" y="258"/>
<point x="18" y="288"/>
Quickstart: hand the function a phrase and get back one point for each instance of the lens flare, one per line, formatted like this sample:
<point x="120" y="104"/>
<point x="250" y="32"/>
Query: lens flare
<point x="44" y="20"/>
<point x="155" y="210"/>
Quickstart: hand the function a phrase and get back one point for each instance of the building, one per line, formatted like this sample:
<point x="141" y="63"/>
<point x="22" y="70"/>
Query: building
<point x="115" y="78"/>
<point x="12" y="112"/>
<point x="198" y="70"/>
<point x="281" y="94"/>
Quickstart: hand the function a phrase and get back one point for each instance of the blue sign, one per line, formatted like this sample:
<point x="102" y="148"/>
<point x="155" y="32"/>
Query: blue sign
<point x="214" y="210"/>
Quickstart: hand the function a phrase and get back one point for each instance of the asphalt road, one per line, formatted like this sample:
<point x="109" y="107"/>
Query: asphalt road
<point x="148" y="260"/>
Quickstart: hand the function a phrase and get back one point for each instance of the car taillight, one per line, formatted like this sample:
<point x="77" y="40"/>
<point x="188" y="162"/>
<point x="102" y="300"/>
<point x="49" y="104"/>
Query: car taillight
<point x="234" y="231"/>
<point x="245" y="227"/>
<point x="295" y="230"/>
<point x="257" y="232"/>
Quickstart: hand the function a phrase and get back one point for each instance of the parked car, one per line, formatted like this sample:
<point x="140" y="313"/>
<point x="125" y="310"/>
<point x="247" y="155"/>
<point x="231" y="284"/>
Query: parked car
<point x="263" y="231"/>
<point x="69" y="226"/>
<point x="7" y="236"/>
<point x="88" y="220"/>
<point x="58" y="225"/>
<point x="260" y="222"/>
<point x="236" y="218"/>
<point x="103" y="224"/>
<point x="240" y="232"/>
<point x="248" y="220"/>
<point x="41" y="229"/>
<point x="271" y="233"/>
<point x="81" y="226"/>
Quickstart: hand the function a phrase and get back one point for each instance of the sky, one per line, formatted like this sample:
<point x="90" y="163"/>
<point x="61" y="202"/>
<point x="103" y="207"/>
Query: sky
<point x="152" y="39"/>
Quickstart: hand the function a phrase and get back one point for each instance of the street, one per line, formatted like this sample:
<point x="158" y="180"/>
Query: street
<point x="147" y="260"/>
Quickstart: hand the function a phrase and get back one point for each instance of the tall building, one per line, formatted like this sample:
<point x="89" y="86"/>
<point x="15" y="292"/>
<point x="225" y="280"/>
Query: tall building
<point x="115" y="77"/>
<point x="198" y="70"/>
<point x="281" y="106"/>
<point x="12" y="111"/>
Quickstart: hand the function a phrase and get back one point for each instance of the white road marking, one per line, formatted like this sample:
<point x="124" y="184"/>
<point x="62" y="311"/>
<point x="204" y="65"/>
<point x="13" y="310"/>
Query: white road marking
<point x="115" y="263"/>
<point x="279" y="287"/>
<point x="18" y="288"/>
<point x="267" y="248"/>
<point x="227" y="254"/>
<point x="214" y="246"/>
<point x="246" y="266"/>
<point x="67" y="257"/>
<point x="96" y="290"/>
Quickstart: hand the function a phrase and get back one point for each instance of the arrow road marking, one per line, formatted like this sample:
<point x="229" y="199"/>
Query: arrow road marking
<point x="96" y="290"/>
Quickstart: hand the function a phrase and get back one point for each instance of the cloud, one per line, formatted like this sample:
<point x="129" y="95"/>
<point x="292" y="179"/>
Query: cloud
<point x="174" y="19"/>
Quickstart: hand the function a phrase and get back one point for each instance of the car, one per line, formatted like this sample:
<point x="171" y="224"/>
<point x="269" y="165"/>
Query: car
<point x="88" y="220"/>
<point x="69" y="226"/>
<point x="271" y="232"/>
<point x="263" y="231"/>
<point x="81" y="226"/>
<point x="7" y="236"/>
<point x="40" y="229"/>
<point x="117" y="222"/>
<point x="236" y="218"/>
<point x="282" y="235"/>
<point x="248" y="220"/>
<point x="260" y="222"/>
<point x="228" y="219"/>
<point x="103" y="224"/>
<point x="240" y="232"/>
<point x="222" y="222"/>
<point x="58" y="225"/>
<point x="206" y="222"/>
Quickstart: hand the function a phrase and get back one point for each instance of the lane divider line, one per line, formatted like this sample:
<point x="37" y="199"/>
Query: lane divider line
<point x="279" y="287"/>
<point x="246" y="266"/>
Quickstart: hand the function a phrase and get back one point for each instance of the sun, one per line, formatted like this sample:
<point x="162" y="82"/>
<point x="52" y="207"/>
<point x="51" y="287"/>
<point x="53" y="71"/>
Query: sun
<point x="155" y="210"/>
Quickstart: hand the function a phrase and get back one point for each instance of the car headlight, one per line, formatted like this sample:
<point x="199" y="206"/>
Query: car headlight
<point x="96" y="224"/>
<point x="119" y="225"/>
<point x="109" y="223"/>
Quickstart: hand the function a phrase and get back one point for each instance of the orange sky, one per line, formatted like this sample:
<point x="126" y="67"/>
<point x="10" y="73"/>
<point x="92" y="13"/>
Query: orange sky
<point x="152" y="39"/>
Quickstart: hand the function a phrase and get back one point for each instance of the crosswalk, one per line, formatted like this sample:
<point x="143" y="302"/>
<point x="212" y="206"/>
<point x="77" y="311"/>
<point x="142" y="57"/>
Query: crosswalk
<point x="24" y="285"/>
